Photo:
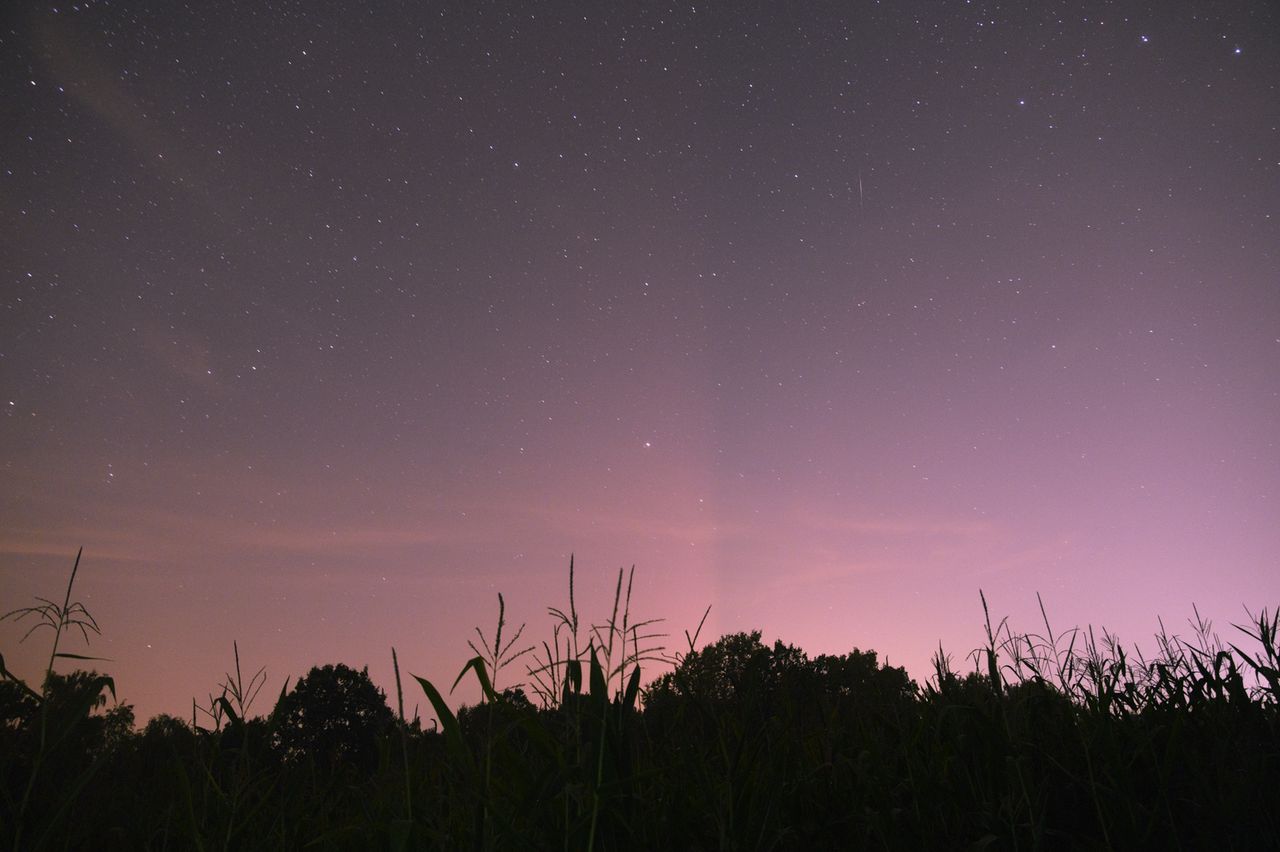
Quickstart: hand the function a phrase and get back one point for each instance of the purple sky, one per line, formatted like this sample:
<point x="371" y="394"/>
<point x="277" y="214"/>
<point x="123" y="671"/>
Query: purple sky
<point x="318" y="328"/>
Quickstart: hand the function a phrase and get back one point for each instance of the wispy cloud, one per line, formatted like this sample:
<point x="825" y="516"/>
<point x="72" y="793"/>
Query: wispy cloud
<point x="76" y="62"/>
<point x="892" y="527"/>
<point x="186" y="353"/>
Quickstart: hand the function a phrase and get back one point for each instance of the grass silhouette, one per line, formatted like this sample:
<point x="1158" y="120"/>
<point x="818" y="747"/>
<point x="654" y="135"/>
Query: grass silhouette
<point x="1055" y="740"/>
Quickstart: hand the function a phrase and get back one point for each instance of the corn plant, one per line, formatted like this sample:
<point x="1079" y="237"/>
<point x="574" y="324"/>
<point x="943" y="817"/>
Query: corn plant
<point x="60" y="619"/>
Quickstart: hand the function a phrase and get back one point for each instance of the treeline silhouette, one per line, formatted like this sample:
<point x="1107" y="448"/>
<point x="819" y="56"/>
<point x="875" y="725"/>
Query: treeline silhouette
<point x="1053" y="742"/>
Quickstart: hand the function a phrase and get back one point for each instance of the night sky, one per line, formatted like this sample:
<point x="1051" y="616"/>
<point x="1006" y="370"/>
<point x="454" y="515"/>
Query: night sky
<point x="323" y="323"/>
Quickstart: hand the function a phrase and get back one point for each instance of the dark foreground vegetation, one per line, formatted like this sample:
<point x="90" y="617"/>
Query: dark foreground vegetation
<point x="1055" y="742"/>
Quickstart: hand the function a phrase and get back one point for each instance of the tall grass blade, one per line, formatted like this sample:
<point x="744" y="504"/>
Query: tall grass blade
<point x="482" y="675"/>
<point x="633" y="688"/>
<point x="458" y="751"/>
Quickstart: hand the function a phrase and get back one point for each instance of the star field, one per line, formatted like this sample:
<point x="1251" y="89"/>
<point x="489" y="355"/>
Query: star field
<point x="321" y="325"/>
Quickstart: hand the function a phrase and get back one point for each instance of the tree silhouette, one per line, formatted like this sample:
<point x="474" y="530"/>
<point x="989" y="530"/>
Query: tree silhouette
<point x="79" y="720"/>
<point x="859" y="675"/>
<point x="333" y="716"/>
<point x="736" y="667"/>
